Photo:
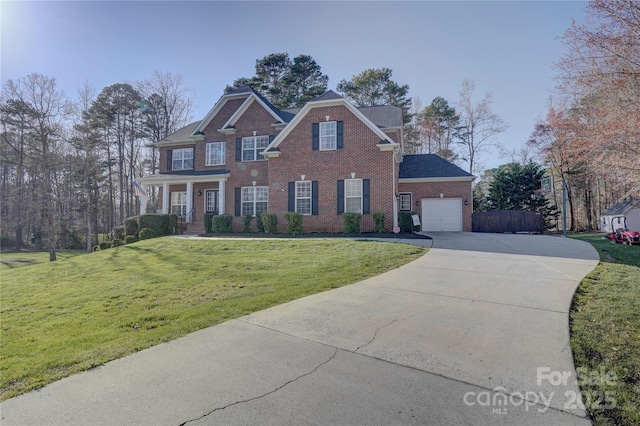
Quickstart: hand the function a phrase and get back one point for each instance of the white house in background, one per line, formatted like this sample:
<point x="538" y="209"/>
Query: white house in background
<point x="614" y="217"/>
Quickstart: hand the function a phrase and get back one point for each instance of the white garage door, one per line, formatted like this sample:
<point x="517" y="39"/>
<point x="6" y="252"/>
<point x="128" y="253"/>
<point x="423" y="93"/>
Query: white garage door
<point x="441" y="214"/>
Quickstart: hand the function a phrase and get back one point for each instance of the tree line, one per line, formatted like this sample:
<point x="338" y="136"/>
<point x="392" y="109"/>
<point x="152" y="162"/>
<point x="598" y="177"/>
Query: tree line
<point x="66" y="166"/>
<point x="590" y="137"/>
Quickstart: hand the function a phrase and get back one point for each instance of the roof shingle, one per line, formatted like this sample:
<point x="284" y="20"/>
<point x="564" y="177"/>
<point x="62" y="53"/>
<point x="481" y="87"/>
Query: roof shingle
<point x="423" y="166"/>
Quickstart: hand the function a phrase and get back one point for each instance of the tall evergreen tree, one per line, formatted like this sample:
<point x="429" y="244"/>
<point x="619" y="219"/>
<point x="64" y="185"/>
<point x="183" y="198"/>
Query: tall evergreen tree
<point x="374" y="87"/>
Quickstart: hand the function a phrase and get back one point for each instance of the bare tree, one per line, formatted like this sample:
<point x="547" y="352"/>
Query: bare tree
<point x="478" y="125"/>
<point x="46" y="110"/>
<point x="167" y="105"/>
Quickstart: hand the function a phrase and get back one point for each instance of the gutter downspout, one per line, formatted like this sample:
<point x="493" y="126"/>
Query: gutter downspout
<point x="395" y="190"/>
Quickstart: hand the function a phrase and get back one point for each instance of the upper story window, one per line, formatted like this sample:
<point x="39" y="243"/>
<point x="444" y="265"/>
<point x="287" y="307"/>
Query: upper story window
<point x="215" y="154"/>
<point x="182" y="159"/>
<point x="328" y="136"/>
<point x="252" y="146"/>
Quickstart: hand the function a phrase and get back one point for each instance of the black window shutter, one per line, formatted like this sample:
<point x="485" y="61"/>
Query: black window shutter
<point x="292" y="197"/>
<point x="238" y="149"/>
<point x="271" y="138"/>
<point x="339" y="133"/>
<point x="340" y="196"/>
<point x="169" y="162"/>
<point x="315" y="136"/>
<point x="366" y="196"/>
<point x="314" y="197"/>
<point x="238" y="201"/>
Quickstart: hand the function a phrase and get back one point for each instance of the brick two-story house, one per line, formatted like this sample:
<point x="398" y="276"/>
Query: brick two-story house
<point x="321" y="160"/>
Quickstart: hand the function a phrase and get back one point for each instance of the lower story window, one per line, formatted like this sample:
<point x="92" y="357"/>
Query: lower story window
<point x="353" y="195"/>
<point x="179" y="203"/>
<point x="303" y="197"/>
<point x="255" y="200"/>
<point x="211" y="201"/>
<point x="405" y="202"/>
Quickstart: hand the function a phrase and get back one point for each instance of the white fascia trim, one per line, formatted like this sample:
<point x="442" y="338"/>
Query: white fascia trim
<point x="387" y="146"/>
<point x="197" y="137"/>
<point x="438" y="179"/>
<point x="272" y="154"/>
<point x="157" y="180"/>
<point x="216" y="108"/>
<point x="189" y="142"/>
<point x="243" y="108"/>
<point x="319" y="104"/>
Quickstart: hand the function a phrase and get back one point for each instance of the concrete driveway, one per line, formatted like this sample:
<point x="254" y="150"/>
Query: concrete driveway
<point x="474" y="332"/>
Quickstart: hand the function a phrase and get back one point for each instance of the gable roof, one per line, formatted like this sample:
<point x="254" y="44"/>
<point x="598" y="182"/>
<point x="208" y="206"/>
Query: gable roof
<point x="180" y="135"/>
<point x="430" y="167"/>
<point x="621" y="208"/>
<point x="329" y="98"/>
<point x="383" y="115"/>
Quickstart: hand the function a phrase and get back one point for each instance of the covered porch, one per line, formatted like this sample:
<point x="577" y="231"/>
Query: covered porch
<point x="188" y="195"/>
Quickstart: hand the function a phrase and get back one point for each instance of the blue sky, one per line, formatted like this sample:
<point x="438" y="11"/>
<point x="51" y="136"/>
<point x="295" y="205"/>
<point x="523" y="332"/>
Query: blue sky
<point x="508" y="48"/>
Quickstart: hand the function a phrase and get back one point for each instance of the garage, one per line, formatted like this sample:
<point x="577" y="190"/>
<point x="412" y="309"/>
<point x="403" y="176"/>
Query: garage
<point x="441" y="214"/>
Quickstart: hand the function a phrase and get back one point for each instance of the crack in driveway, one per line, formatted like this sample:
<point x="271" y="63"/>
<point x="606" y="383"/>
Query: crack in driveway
<point x="375" y="334"/>
<point x="265" y="394"/>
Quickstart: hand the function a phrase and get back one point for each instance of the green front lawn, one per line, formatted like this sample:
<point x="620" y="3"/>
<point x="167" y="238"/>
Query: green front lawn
<point x="67" y="316"/>
<point x="15" y="259"/>
<point x="605" y="333"/>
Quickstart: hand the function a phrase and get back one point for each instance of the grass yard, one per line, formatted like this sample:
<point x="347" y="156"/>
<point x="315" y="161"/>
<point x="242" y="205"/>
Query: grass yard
<point x="16" y="259"/>
<point x="67" y="316"/>
<point x="605" y="333"/>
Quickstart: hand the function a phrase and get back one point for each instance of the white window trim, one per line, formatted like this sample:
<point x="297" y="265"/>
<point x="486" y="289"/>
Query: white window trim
<point x="346" y="196"/>
<point x="208" y="156"/>
<point x="256" y="151"/>
<point x="181" y="196"/>
<point x="217" y="201"/>
<point x="182" y="160"/>
<point x="404" y="194"/>
<point x="322" y="138"/>
<point x="310" y="197"/>
<point x="254" y="193"/>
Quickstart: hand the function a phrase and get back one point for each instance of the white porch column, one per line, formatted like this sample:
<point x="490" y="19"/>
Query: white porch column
<point x="165" y="198"/>
<point x="221" y="196"/>
<point x="143" y="204"/>
<point x="189" y="201"/>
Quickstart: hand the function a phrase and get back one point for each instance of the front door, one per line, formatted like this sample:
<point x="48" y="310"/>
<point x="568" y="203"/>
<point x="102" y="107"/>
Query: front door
<point x="211" y="201"/>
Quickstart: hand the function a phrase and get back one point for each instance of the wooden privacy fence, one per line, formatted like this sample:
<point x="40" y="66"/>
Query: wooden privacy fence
<point x="508" y="221"/>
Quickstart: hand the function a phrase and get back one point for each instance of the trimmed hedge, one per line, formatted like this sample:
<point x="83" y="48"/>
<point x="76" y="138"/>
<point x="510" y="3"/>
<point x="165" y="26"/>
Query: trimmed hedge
<point x="352" y="222"/>
<point x="260" y="225"/>
<point x="246" y="223"/>
<point x="405" y="222"/>
<point x="131" y="225"/>
<point x="208" y="222"/>
<point x="118" y="232"/>
<point x="130" y="239"/>
<point x="222" y="223"/>
<point x="147" y="233"/>
<point x="378" y="222"/>
<point x="294" y="222"/>
<point x="270" y="222"/>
